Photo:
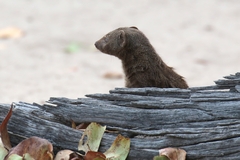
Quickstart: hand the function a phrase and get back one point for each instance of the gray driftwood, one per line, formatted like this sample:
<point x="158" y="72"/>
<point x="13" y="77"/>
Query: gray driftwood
<point x="205" y="121"/>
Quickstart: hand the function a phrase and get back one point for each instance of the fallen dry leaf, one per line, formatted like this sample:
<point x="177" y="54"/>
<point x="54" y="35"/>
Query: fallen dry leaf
<point x="82" y="126"/>
<point x="37" y="148"/>
<point x="91" y="155"/>
<point x="90" y="141"/>
<point x="73" y="47"/>
<point x="202" y="61"/>
<point x="27" y="157"/>
<point x="119" y="149"/>
<point x="63" y="155"/>
<point x="3" y="130"/>
<point x="112" y="75"/>
<point x="91" y="138"/>
<point x="173" y="153"/>
<point x="3" y="151"/>
<point x="10" y="32"/>
<point x="14" y="157"/>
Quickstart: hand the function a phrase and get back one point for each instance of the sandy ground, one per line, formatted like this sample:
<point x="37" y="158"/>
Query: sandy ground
<point x="200" y="39"/>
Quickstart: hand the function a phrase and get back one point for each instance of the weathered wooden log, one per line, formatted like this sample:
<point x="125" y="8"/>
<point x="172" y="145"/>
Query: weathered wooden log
<point x="204" y="121"/>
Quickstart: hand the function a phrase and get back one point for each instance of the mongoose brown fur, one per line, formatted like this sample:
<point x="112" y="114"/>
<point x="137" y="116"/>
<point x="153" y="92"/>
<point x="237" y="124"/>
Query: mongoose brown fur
<point x="142" y="66"/>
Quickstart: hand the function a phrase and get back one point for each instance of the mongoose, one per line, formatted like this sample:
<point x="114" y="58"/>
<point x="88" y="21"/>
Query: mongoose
<point x="142" y="66"/>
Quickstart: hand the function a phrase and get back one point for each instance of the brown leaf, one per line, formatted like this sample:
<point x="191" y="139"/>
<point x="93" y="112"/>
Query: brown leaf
<point x="202" y="61"/>
<point x="37" y="148"/>
<point x="112" y="75"/>
<point x="91" y="155"/>
<point x="10" y="32"/>
<point x="82" y="126"/>
<point x="3" y="130"/>
<point x="173" y="153"/>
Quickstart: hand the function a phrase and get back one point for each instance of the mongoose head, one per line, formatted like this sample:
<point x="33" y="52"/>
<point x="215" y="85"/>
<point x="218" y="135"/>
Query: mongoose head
<point x="121" y="39"/>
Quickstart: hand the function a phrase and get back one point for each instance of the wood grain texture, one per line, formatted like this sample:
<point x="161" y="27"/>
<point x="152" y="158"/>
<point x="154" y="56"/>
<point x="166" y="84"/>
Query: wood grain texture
<point x="204" y="121"/>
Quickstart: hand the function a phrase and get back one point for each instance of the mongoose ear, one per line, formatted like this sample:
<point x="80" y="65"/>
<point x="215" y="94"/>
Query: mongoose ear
<point x="134" y="27"/>
<point x="122" y="38"/>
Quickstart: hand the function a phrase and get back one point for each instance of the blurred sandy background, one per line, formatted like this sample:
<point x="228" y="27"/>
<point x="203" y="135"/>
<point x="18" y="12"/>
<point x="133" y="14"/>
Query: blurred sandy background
<point x="200" y="39"/>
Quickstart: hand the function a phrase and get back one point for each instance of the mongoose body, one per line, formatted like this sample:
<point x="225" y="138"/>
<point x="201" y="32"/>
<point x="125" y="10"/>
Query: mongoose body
<point x="142" y="66"/>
